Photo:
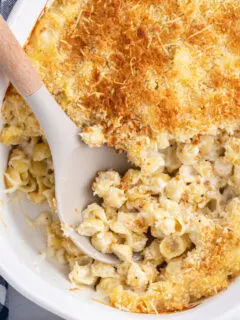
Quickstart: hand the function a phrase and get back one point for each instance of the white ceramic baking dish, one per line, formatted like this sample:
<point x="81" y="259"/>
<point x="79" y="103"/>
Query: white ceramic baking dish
<point x="44" y="282"/>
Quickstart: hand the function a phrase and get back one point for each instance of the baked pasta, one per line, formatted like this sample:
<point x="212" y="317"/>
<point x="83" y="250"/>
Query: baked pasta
<point x="160" y="81"/>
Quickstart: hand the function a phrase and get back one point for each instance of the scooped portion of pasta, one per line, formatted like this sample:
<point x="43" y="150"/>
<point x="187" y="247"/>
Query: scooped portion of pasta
<point x="158" y="80"/>
<point x="175" y="231"/>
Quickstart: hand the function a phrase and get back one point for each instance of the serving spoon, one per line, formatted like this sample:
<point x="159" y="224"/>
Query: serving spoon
<point x="75" y="164"/>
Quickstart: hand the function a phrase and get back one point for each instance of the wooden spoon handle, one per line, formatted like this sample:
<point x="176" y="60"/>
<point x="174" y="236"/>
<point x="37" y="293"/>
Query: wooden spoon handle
<point x="15" y="64"/>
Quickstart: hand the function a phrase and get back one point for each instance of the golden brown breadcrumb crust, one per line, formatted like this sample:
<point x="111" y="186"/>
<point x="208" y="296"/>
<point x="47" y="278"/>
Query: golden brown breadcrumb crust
<point x="133" y="44"/>
<point x="213" y="265"/>
<point x="142" y="67"/>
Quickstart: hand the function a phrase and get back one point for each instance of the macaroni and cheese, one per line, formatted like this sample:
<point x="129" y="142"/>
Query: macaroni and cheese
<point x="158" y="80"/>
